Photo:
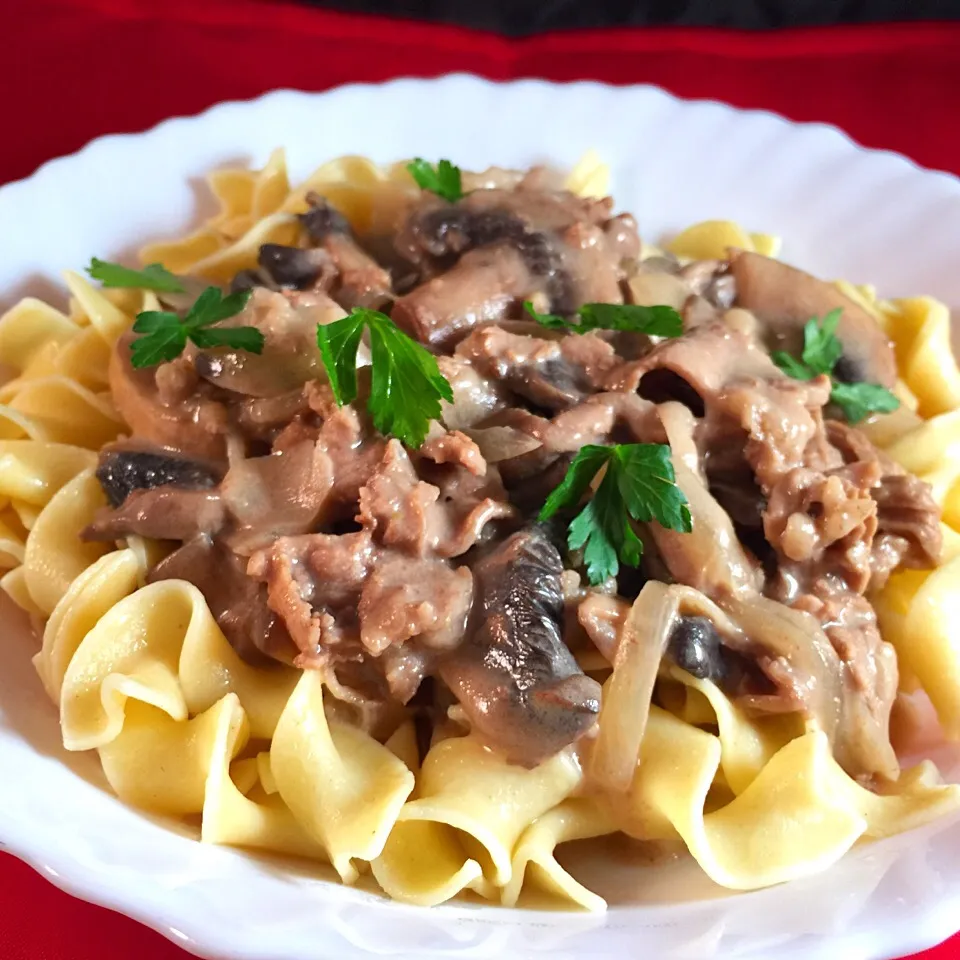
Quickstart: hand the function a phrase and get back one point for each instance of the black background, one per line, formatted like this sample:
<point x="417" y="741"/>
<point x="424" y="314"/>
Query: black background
<point x="522" y="17"/>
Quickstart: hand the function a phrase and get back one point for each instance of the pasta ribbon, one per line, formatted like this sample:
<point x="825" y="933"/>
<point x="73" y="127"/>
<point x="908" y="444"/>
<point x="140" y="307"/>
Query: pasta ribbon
<point x="54" y="555"/>
<point x="231" y="818"/>
<point x="93" y="594"/>
<point x="342" y="786"/>
<point x="29" y="328"/>
<point x="534" y="857"/>
<point x="470" y="788"/>
<point x="161" y="764"/>
<point x="918" y="613"/>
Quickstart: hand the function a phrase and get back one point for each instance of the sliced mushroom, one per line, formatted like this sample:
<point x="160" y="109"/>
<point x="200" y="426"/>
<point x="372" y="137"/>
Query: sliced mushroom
<point x="293" y="266"/>
<point x="123" y="469"/>
<point x="695" y="646"/>
<point x="158" y="412"/>
<point x="785" y="298"/>
<point x="513" y="675"/>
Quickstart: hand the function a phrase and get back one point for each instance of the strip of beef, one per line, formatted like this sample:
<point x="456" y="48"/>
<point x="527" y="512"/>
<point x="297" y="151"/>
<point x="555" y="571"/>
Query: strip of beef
<point x="404" y="599"/>
<point x="516" y="680"/>
<point x="908" y="518"/>
<point x="166" y="405"/>
<point x="238" y="602"/>
<point x="423" y="519"/>
<point x="313" y="583"/>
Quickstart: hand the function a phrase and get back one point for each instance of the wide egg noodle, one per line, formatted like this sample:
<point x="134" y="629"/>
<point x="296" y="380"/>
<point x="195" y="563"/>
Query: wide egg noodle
<point x="590" y="176"/>
<point x="90" y="597"/>
<point x="161" y="764"/>
<point x="54" y="554"/>
<point x="29" y="328"/>
<point x="486" y="801"/>
<point x="60" y="410"/>
<point x="108" y="319"/>
<point x="423" y="862"/>
<point x="32" y="471"/>
<point x="13" y="538"/>
<point x="132" y="652"/>
<point x="747" y="745"/>
<point x="231" y="818"/>
<point x="209" y="668"/>
<point x="919" y="612"/>
<point x="534" y="860"/>
<point x="341" y="785"/>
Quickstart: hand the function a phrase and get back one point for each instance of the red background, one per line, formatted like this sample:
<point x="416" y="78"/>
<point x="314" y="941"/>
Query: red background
<point x="71" y="70"/>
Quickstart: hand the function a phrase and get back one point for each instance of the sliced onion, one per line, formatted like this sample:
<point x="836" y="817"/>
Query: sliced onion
<point x="626" y="695"/>
<point x="501" y="443"/>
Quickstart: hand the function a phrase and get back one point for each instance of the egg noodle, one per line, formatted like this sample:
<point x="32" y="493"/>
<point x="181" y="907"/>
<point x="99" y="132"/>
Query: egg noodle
<point x="142" y="673"/>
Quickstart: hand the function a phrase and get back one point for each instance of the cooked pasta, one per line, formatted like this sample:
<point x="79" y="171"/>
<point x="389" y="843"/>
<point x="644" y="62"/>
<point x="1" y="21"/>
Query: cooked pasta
<point x="340" y="632"/>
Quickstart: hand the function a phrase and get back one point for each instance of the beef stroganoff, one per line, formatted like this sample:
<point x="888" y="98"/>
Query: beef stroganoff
<point x="419" y="521"/>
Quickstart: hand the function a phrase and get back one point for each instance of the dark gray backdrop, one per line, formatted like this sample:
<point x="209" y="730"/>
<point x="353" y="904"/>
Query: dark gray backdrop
<point x="519" y="17"/>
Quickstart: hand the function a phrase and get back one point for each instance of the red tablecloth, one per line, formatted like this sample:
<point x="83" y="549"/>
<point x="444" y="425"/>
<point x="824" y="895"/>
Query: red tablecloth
<point x="73" y="69"/>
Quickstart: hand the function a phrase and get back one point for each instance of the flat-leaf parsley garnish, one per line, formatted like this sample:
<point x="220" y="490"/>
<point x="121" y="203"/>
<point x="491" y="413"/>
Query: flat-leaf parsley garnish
<point x="639" y="484"/>
<point x="406" y="385"/>
<point x="154" y="276"/>
<point x="164" y="334"/>
<point x="442" y="178"/>
<point x="659" y="321"/>
<point x="821" y="351"/>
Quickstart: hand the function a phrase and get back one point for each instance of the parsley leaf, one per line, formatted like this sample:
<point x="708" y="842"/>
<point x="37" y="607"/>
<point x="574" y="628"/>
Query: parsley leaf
<point x="822" y="349"/>
<point x="406" y="385"/>
<point x="154" y="276"/>
<point x="163" y="334"/>
<point x="859" y="400"/>
<point x="639" y="484"/>
<point x="791" y="366"/>
<point x="658" y="321"/>
<point x="442" y="179"/>
<point x="821" y="345"/>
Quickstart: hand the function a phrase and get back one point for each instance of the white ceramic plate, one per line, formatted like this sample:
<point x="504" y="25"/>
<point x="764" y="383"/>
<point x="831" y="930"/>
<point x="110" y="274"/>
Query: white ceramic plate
<point x="843" y="211"/>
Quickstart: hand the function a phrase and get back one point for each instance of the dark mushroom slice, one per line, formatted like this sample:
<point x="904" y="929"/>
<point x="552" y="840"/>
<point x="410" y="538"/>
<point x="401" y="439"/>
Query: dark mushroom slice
<point x="360" y="281"/>
<point x="513" y="675"/>
<point x="293" y="267"/>
<point x="321" y="219"/>
<point x="123" y="469"/>
<point x="694" y="645"/>
<point x="237" y="602"/>
<point x="784" y="299"/>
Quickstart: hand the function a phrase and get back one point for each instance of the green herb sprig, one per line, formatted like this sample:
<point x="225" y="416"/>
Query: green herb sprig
<point x="822" y="349"/>
<point x="154" y="276"/>
<point x="406" y="385"/>
<point x="164" y="334"/>
<point x="443" y="178"/>
<point x="659" y="321"/>
<point x="639" y="484"/>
